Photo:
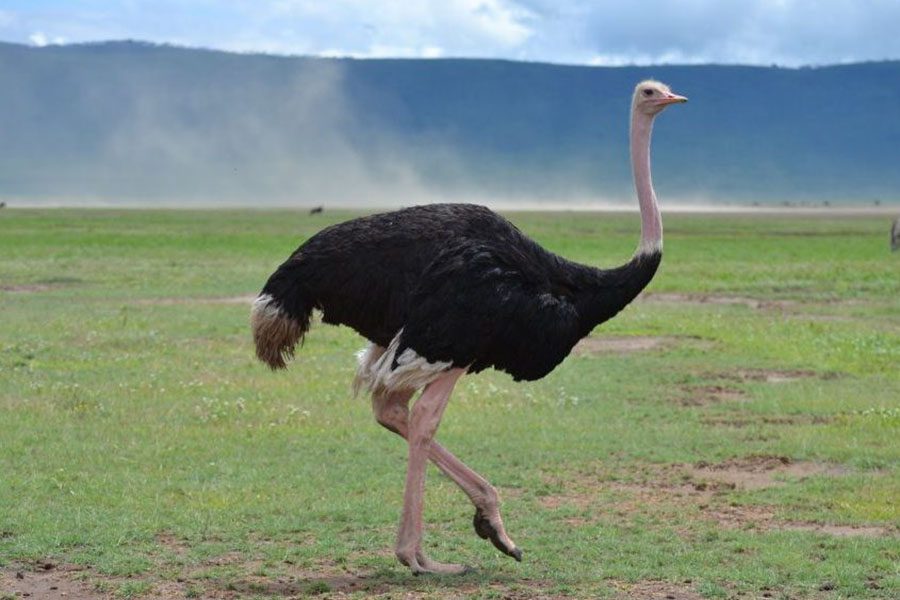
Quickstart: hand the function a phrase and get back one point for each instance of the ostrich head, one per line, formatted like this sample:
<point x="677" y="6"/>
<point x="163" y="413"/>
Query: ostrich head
<point x="651" y="97"/>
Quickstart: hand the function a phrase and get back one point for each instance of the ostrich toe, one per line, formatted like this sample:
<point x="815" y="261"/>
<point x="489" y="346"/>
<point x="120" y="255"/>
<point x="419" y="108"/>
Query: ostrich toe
<point x="487" y="530"/>
<point x="424" y="565"/>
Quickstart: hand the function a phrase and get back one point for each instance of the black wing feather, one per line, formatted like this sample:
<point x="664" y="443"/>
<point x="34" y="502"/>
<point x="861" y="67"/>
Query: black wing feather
<point x="481" y="305"/>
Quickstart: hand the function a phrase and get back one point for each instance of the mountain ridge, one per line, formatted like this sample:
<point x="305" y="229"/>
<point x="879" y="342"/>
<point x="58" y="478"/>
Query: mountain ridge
<point x="134" y="121"/>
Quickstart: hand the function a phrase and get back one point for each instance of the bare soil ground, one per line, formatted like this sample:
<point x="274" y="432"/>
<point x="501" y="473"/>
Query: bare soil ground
<point x="679" y="298"/>
<point x="72" y="582"/>
<point x="703" y="486"/>
<point x="69" y="582"/>
<point x="42" y="285"/>
<point x="758" y="472"/>
<point x="727" y="387"/>
<point x="751" y="420"/>
<point x="626" y="344"/>
<point x="621" y="344"/>
<point x="795" y="309"/>
<point x="767" y="375"/>
<point x="48" y="581"/>
<point x="704" y="395"/>
<point x="656" y="590"/>
<point x="27" y="288"/>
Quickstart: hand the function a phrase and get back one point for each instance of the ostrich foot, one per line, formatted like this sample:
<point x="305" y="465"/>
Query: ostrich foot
<point x="432" y="566"/>
<point x="420" y="564"/>
<point x="488" y="528"/>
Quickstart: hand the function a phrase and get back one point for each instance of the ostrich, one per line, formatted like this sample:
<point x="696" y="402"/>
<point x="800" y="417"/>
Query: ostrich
<point x="448" y="289"/>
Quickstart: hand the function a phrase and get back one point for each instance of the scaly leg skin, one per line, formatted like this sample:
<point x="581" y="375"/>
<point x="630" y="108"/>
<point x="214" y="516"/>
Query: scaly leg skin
<point x="423" y="423"/>
<point x="392" y="412"/>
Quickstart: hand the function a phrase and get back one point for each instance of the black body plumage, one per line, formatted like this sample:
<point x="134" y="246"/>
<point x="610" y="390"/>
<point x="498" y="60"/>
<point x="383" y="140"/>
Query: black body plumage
<point x="463" y="283"/>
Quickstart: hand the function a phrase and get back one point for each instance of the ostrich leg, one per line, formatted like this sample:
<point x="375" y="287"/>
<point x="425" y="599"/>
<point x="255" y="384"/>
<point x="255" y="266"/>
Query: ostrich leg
<point x="423" y="423"/>
<point x="392" y="412"/>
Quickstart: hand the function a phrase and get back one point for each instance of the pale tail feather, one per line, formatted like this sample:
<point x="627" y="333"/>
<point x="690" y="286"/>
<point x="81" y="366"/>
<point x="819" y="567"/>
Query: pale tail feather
<point x="276" y="333"/>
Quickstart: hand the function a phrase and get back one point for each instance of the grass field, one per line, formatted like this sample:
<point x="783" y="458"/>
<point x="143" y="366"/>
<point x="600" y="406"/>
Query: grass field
<point x="733" y="434"/>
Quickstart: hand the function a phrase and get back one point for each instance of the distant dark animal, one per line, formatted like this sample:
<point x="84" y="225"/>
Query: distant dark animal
<point x="447" y="289"/>
<point x="316" y="210"/>
<point x="895" y="235"/>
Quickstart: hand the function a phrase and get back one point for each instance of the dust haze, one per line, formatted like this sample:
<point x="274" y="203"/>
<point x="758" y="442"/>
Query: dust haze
<point x="156" y="138"/>
<point x="299" y="145"/>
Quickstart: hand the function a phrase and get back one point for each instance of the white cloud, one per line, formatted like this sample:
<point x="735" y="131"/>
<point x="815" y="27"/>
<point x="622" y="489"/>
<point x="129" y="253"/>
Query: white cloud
<point x="432" y="52"/>
<point x="38" y="39"/>
<point x="502" y="22"/>
<point x="379" y="51"/>
<point x="363" y="28"/>
<point x="670" y="57"/>
<point x="790" y="32"/>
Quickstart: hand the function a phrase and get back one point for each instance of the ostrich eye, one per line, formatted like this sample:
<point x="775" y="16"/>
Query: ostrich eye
<point x="648" y="92"/>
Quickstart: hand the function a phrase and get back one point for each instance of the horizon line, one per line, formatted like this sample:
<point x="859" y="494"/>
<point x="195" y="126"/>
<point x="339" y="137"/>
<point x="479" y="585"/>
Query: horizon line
<point x="352" y="56"/>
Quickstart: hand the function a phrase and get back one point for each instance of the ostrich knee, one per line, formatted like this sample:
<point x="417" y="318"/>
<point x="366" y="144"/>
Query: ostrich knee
<point x="392" y="411"/>
<point x="394" y="419"/>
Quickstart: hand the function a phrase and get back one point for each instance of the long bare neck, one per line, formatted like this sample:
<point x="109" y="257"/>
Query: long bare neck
<point x="651" y="222"/>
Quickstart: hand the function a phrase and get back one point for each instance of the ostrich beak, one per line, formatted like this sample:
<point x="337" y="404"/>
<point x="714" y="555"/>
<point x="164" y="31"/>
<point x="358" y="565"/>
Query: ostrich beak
<point x="671" y="99"/>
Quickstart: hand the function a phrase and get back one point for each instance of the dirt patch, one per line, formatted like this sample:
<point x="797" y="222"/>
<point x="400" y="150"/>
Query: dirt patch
<point x="307" y="585"/>
<point x="229" y="558"/>
<point x="727" y="384"/>
<point x="770" y="375"/>
<point x="780" y="376"/>
<point x="520" y="589"/>
<point x="47" y="581"/>
<point x="574" y="499"/>
<point x="809" y="310"/>
<point x="759" y="472"/>
<point x="654" y="590"/>
<point x="747" y="517"/>
<point x="76" y="583"/>
<point x="173" y="544"/>
<point x="838" y="530"/>
<point x="694" y="481"/>
<point x="704" y="395"/>
<point x="676" y="488"/>
<point x="42" y="285"/>
<point x="719" y="299"/>
<point x="28" y="287"/>
<point x="757" y="420"/>
<point x="245" y="299"/>
<point x="612" y="344"/>
<point x="762" y="518"/>
<point x="331" y="583"/>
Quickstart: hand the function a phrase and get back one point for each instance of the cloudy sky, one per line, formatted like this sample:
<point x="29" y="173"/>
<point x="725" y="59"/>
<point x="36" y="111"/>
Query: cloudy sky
<point x="603" y="32"/>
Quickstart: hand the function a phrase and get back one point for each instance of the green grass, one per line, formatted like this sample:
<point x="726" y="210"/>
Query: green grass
<point x="140" y="437"/>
